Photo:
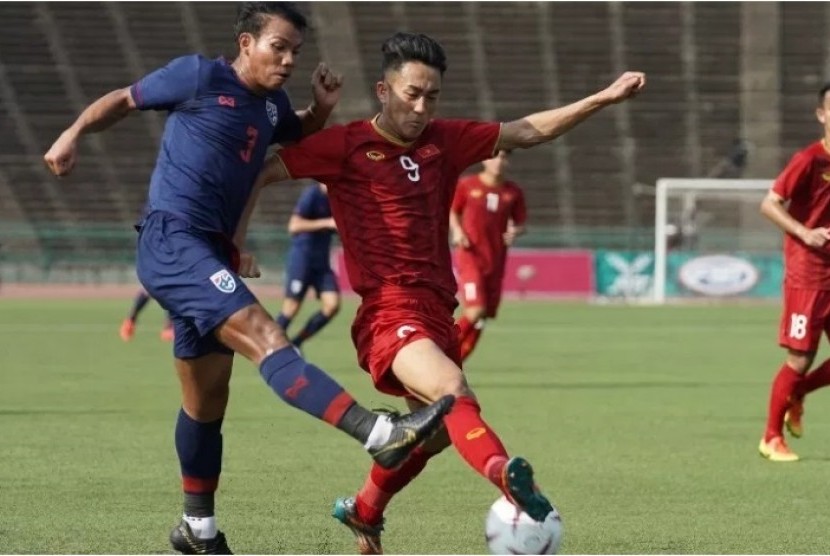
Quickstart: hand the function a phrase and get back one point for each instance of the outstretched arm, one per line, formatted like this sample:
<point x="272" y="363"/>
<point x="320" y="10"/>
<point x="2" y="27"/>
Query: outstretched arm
<point x="98" y="116"/>
<point x="542" y="127"/>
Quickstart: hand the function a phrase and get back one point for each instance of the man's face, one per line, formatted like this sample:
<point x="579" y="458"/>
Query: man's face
<point x="270" y="57"/>
<point x="409" y="97"/>
<point x="497" y="166"/>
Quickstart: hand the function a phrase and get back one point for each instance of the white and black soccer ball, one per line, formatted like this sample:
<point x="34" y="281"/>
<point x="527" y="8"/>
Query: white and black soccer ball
<point x="511" y="531"/>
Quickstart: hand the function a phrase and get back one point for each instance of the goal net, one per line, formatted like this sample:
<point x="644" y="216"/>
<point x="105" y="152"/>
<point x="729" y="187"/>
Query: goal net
<point x="711" y="242"/>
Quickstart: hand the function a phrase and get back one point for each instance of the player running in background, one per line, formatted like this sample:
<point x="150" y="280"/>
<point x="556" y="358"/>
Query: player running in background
<point x="311" y="227"/>
<point x="799" y="204"/>
<point x="391" y="181"/>
<point x="222" y="118"/>
<point x="487" y="214"/>
<point x="127" y="330"/>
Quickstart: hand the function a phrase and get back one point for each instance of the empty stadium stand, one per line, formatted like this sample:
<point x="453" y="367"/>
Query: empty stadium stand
<point x="506" y="59"/>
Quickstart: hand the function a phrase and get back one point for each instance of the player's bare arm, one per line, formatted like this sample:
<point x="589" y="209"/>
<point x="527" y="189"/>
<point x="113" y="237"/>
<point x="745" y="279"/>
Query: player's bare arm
<point x="548" y="125"/>
<point x="774" y="207"/>
<point x="459" y="238"/>
<point x="325" y="88"/>
<point x="98" y="116"/>
<point x="298" y="225"/>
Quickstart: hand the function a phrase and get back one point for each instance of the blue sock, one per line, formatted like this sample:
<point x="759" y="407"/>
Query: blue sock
<point x="304" y="386"/>
<point x="312" y="327"/>
<point x="284" y="321"/>
<point x="199" y="446"/>
<point x="140" y="301"/>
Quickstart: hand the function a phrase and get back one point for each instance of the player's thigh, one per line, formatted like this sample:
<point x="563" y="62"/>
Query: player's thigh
<point x="427" y="372"/>
<point x="803" y="320"/>
<point x="189" y="274"/>
<point x="252" y="333"/>
<point x="205" y="383"/>
<point x="328" y="290"/>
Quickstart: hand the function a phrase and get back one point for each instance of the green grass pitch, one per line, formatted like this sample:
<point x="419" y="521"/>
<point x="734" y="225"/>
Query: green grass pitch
<point x="642" y="424"/>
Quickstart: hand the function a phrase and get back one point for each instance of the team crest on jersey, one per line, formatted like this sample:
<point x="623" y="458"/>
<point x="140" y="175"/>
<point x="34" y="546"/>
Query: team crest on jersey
<point x="375" y="155"/>
<point x="826" y="176"/>
<point x="224" y="281"/>
<point x="273" y="113"/>
<point x="476" y="193"/>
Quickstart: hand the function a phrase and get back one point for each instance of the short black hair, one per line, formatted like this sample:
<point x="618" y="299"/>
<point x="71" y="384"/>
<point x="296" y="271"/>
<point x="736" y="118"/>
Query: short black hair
<point x="408" y="47"/>
<point x="250" y="16"/>
<point x="823" y="91"/>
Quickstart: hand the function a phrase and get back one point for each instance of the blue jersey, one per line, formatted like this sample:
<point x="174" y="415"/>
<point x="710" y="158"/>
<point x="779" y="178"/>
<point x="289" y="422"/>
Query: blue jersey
<point x="314" y="247"/>
<point x="214" y="139"/>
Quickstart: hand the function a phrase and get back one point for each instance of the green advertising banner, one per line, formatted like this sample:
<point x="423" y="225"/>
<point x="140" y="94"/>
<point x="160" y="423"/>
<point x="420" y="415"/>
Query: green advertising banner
<point x="630" y="274"/>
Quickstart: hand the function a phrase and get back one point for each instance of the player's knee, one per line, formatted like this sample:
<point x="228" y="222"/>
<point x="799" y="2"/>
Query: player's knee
<point x="800" y="361"/>
<point x="252" y="333"/>
<point x="331" y="309"/>
<point x="207" y="404"/>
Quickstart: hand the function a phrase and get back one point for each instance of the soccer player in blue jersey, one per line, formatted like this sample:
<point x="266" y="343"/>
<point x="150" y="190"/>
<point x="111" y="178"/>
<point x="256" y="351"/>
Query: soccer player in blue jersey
<point x="222" y="118"/>
<point x="308" y="263"/>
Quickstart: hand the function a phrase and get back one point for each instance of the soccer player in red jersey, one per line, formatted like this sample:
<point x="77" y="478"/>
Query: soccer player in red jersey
<point x="487" y="215"/>
<point x="799" y="204"/>
<point x="391" y="183"/>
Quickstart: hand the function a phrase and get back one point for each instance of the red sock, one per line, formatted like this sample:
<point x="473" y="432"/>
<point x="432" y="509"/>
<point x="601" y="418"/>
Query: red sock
<point x="469" y="343"/>
<point x="382" y="484"/>
<point x="783" y="387"/>
<point x="474" y="440"/>
<point x="815" y="379"/>
<point x="464" y="327"/>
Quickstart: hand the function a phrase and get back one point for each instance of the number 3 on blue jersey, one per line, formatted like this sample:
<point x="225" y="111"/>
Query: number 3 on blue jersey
<point x="412" y="168"/>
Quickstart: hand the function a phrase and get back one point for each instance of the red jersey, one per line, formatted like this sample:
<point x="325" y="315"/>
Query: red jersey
<point x="805" y="182"/>
<point x="391" y="200"/>
<point x="485" y="213"/>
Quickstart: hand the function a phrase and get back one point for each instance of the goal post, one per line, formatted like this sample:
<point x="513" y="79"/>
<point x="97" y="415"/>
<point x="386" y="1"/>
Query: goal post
<point x="728" y="204"/>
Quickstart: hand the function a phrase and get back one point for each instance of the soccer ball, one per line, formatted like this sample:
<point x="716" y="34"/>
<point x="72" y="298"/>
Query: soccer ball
<point x="511" y="531"/>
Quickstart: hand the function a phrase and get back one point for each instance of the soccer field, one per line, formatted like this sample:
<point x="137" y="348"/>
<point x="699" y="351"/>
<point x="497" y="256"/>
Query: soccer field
<point x="642" y="423"/>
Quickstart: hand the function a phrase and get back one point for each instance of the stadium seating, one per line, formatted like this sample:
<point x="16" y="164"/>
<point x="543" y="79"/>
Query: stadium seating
<point x="505" y="60"/>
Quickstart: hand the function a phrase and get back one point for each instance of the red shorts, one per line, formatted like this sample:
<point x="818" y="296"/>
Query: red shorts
<point x="480" y="290"/>
<point x="805" y="318"/>
<point x="385" y="324"/>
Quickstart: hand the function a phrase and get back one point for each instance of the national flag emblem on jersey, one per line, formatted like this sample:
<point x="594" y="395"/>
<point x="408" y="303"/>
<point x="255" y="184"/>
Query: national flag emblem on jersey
<point x="428" y="151"/>
<point x="224" y="282"/>
<point x="273" y="113"/>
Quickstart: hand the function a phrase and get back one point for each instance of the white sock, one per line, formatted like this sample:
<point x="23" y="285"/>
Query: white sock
<point x="202" y="527"/>
<point x="380" y="433"/>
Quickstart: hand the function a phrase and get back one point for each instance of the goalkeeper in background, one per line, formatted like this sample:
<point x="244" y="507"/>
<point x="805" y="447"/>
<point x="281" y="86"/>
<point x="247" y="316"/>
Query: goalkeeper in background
<point x="799" y="204"/>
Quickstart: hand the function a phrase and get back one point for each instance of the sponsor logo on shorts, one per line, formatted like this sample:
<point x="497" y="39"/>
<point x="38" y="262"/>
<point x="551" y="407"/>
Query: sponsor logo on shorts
<point x="224" y="281"/>
<point x="405" y="331"/>
<point x="475" y="433"/>
<point x="718" y="275"/>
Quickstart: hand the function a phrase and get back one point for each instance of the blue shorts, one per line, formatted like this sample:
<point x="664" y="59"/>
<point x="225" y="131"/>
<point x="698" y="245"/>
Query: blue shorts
<point x="300" y="275"/>
<point x="191" y="274"/>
